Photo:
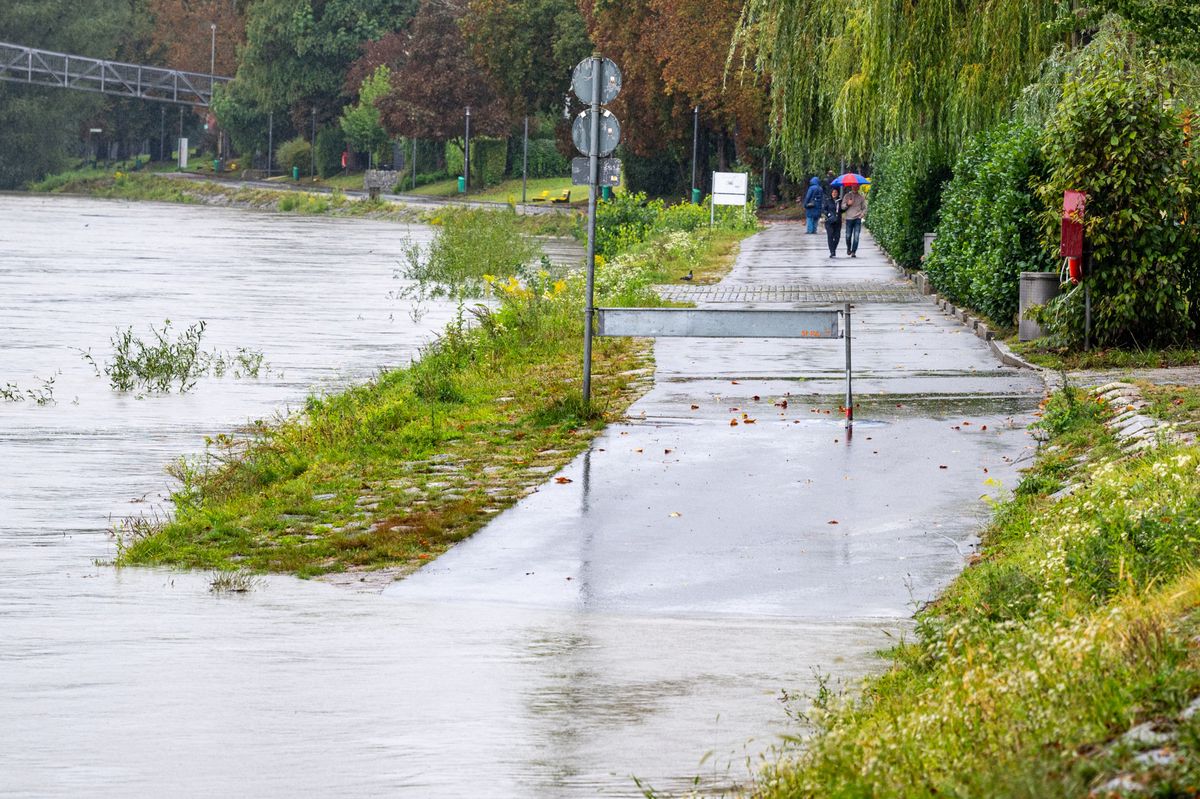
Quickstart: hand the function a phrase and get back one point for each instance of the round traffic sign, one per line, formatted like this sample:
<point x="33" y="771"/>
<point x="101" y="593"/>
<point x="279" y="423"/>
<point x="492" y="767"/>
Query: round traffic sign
<point x="610" y="80"/>
<point x="610" y="132"/>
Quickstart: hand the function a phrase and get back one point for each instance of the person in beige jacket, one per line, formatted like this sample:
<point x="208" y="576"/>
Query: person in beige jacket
<point x="855" y="204"/>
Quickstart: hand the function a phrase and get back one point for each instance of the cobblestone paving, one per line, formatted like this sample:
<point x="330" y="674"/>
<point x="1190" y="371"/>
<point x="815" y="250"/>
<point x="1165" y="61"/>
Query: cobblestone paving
<point x="809" y="292"/>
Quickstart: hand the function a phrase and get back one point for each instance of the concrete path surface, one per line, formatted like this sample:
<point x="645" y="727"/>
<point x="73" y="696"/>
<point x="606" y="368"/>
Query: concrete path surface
<point x="784" y="517"/>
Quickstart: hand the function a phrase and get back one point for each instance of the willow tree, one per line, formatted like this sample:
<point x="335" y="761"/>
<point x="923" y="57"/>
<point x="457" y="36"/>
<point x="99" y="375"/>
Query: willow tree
<point x="850" y="76"/>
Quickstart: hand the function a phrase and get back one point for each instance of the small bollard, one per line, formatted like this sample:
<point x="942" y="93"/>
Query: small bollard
<point x="216" y="166"/>
<point x="758" y="196"/>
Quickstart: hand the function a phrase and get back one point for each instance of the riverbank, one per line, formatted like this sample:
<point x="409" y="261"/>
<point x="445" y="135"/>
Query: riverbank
<point x="195" y="191"/>
<point x="389" y="475"/>
<point x="1064" y="660"/>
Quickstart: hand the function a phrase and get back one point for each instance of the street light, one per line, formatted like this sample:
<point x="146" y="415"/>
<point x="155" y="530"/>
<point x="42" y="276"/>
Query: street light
<point x="212" y="57"/>
<point x="695" y="146"/>
<point x="467" y="153"/>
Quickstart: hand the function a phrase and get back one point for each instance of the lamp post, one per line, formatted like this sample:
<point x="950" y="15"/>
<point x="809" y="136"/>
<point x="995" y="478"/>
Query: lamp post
<point x="467" y="152"/>
<point x="525" y="162"/>
<point x="695" y="148"/>
<point x="313" y="170"/>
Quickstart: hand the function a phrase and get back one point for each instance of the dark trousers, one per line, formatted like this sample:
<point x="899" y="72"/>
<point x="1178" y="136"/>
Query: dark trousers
<point x="833" y="231"/>
<point x="853" y="229"/>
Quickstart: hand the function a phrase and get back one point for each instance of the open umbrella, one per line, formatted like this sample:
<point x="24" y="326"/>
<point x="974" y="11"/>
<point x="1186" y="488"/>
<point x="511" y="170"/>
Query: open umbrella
<point x="851" y="179"/>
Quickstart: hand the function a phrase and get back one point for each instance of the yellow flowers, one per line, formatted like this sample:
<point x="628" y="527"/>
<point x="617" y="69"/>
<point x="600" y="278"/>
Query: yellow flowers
<point x="536" y="288"/>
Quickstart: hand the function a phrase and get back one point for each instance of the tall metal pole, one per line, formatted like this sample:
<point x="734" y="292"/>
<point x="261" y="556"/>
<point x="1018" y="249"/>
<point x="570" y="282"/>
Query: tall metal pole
<point x="212" y="59"/>
<point x="313" y="171"/>
<point x="467" y="152"/>
<point x="695" y="146"/>
<point x="162" y="133"/>
<point x="414" y="164"/>
<point x="849" y="385"/>
<point x="589" y="310"/>
<point x="525" y="162"/>
<point x="270" y="140"/>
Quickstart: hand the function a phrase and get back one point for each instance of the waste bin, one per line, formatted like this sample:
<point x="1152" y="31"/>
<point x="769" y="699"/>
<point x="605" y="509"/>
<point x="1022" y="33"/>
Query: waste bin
<point x="696" y="195"/>
<point x="606" y="193"/>
<point x="1037" y="288"/>
<point x="295" y="173"/>
<point x="216" y="165"/>
<point x="758" y="196"/>
<point x="462" y="185"/>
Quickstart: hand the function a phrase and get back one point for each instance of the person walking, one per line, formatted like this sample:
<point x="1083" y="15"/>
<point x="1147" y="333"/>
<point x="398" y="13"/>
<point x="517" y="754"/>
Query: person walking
<point x="813" y="200"/>
<point x="855" y="207"/>
<point x="832" y="211"/>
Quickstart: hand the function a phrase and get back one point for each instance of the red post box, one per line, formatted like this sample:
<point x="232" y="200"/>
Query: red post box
<point x="1071" y="246"/>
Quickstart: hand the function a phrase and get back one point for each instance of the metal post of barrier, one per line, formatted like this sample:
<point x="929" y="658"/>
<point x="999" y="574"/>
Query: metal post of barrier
<point x="849" y="384"/>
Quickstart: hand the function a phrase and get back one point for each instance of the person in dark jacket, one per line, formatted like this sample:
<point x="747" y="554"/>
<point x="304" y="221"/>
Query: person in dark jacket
<point x="812" y="204"/>
<point x="832" y="212"/>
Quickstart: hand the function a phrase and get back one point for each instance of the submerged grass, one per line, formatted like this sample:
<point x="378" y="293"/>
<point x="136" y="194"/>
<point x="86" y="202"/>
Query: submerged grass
<point x="1077" y="622"/>
<point x="394" y="472"/>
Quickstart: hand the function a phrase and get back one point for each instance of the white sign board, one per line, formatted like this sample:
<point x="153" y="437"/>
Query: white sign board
<point x="729" y="188"/>
<point x="183" y="153"/>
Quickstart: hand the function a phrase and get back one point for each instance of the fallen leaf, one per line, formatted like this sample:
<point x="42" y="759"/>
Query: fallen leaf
<point x="734" y="382"/>
<point x="563" y="480"/>
<point x="749" y="421"/>
<point x="637" y="450"/>
<point x="943" y="467"/>
<point x="733" y="422"/>
<point x="832" y="521"/>
<point x="695" y="407"/>
<point x="966" y="422"/>
<point x="666" y="452"/>
<point x="756" y="398"/>
<point x="781" y="404"/>
<point x="675" y="514"/>
<point x="984" y="427"/>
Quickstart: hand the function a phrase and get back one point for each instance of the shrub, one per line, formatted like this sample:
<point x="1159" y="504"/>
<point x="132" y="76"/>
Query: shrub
<point x="1117" y="135"/>
<point x="295" y="153"/>
<point x="331" y="143"/>
<point x="545" y="161"/>
<point x="906" y="188"/>
<point x="988" y="232"/>
<point x="488" y="160"/>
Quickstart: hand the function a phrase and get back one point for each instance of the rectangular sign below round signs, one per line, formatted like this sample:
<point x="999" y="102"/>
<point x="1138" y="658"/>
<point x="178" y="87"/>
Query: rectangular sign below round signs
<point x="610" y="171"/>
<point x="730" y="188"/>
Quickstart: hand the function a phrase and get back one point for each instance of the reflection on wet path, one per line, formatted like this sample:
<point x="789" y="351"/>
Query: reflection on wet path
<point x="586" y="636"/>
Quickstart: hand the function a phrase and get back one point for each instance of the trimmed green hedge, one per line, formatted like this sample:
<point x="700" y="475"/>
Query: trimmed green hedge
<point x="988" y="233"/>
<point x="906" y="188"/>
<point x="489" y="159"/>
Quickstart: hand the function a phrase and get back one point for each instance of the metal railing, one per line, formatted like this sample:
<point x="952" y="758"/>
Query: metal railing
<point x="29" y="65"/>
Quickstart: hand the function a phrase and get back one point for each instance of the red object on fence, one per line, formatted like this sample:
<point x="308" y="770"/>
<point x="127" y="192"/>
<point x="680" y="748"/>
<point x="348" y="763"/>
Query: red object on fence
<point x="1074" y="205"/>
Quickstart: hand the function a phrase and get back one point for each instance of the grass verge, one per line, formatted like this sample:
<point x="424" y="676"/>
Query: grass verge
<point x="1060" y="663"/>
<point x="392" y="473"/>
<point x="1109" y="358"/>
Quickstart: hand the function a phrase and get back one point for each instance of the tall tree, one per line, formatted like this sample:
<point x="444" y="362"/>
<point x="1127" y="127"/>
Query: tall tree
<point x="435" y="83"/>
<point x="529" y="47"/>
<point x="39" y="126"/>
<point x="184" y="28"/>
<point x="297" y="51"/>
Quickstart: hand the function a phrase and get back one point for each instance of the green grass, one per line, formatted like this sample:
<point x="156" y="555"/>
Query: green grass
<point x="1107" y="358"/>
<point x="1076" y="622"/>
<point x="392" y="473"/>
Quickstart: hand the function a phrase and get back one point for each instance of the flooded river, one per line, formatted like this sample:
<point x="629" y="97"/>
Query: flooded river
<point x="567" y="649"/>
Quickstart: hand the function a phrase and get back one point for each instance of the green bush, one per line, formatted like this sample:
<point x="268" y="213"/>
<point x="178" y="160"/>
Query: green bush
<point x="988" y="232"/>
<point x="1117" y="135"/>
<point x="295" y="153"/>
<point x="630" y="219"/>
<point x="545" y="161"/>
<point x="906" y="189"/>
<point x="331" y="143"/>
<point x="488" y="161"/>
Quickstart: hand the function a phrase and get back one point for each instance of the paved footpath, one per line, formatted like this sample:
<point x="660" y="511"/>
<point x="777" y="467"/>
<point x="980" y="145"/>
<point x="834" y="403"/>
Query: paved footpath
<point x="703" y="565"/>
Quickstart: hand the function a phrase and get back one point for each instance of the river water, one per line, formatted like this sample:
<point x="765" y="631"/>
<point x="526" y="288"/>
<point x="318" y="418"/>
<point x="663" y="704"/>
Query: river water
<point x="560" y="654"/>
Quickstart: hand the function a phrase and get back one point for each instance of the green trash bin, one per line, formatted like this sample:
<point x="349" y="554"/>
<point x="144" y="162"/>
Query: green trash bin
<point x="216" y="166"/>
<point x="606" y="193"/>
<point x="758" y="196"/>
<point x="295" y="173"/>
<point x="462" y="185"/>
<point x="696" y="195"/>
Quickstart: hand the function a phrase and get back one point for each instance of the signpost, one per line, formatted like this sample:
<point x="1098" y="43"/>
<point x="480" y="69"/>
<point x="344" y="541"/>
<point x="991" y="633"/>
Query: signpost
<point x="729" y="188"/>
<point x="610" y="171"/>
<point x="596" y="132"/>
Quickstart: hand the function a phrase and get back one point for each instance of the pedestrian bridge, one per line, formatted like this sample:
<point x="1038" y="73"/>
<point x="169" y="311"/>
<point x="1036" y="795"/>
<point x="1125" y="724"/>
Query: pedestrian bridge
<point x="29" y="65"/>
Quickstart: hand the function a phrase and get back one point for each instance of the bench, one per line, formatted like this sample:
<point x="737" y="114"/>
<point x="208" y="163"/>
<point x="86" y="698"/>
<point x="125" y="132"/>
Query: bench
<point x="564" y="198"/>
<point x="541" y="198"/>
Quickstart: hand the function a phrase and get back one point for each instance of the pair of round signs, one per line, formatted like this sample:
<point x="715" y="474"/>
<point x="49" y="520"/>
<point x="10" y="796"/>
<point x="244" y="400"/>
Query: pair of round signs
<point x="583" y="81"/>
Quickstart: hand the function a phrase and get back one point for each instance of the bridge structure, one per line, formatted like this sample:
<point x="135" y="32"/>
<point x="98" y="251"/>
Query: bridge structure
<point x="29" y="65"/>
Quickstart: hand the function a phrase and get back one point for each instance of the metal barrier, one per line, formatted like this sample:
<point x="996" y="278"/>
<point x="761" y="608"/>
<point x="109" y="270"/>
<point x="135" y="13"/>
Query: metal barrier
<point x="734" y="323"/>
